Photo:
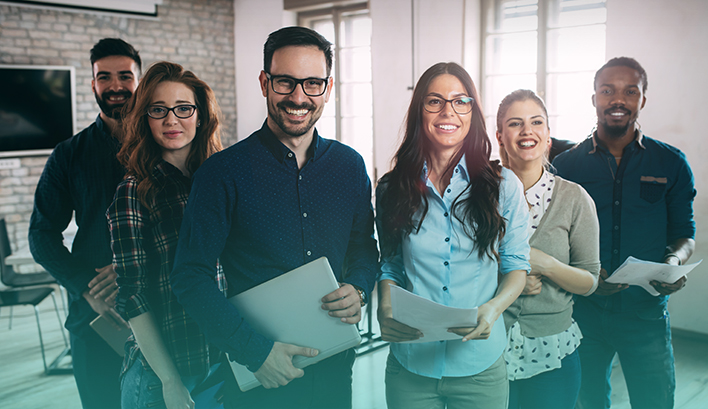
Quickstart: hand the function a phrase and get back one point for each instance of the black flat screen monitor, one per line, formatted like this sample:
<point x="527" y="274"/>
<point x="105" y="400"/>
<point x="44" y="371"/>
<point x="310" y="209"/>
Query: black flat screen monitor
<point x="37" y="108"/>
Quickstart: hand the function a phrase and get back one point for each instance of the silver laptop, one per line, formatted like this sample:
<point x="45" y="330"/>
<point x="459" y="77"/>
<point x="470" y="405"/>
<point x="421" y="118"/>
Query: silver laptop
<point x="288" y="309"/>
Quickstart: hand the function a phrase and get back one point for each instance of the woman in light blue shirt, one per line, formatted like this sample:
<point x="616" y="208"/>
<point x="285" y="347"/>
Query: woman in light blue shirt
<point x="451" y="222"/>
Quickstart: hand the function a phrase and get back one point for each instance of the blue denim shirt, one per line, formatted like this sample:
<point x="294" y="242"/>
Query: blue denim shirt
<point x="438" y="262"/>
<point x="642" y="205"/>
<point x="252" y="208"/>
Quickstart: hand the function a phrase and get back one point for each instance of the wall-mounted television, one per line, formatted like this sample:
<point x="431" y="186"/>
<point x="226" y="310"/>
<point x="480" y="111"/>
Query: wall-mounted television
<point x="37" y="108"/>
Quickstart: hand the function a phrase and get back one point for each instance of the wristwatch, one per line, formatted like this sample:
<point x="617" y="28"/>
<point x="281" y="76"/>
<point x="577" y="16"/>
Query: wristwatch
<point x="362" y="295"/>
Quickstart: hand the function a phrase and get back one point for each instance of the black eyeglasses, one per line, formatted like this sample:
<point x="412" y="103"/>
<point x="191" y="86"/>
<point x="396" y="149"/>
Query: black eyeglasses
<point x="461" y="105"/>
<point x="285" y="85"/>
<point x="180" y="111"/>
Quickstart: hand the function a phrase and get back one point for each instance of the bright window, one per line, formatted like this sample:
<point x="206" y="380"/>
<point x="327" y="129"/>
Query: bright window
<point x="348" y="116"/>
<point x="552" y="47"/>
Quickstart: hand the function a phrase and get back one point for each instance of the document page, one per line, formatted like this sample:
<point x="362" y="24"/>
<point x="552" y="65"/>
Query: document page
<point x="429" y="317"/>
<point x="639" y="272"/>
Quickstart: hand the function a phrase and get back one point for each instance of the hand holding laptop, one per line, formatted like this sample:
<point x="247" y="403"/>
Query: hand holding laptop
<point x="278" y="369"/>
<point x="344" y="303"/>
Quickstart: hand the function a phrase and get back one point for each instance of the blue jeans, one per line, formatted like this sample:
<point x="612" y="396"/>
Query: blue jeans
<point x="642" y="339"/>
<point x="142" y="388"/>
<point x="556" y="389"/>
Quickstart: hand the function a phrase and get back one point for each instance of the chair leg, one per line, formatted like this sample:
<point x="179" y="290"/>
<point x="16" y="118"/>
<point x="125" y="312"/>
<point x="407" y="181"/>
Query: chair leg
<point x="61" y="327"/>
<point x="9" y="326"/>
<point x="41" y="341"/>
<point x="63" y="295"/>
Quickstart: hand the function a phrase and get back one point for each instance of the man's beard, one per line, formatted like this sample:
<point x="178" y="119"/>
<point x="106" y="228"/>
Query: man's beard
<point x="113" y="111"/>
<point x="276" y="112"/>
<point x="618" y="131"/>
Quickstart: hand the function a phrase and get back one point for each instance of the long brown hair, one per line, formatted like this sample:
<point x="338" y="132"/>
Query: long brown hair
<point x="404" y="193"/>
<point x="140" y="153"/>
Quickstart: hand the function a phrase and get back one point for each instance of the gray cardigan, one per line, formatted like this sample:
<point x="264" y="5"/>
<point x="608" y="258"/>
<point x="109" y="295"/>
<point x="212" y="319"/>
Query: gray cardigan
<point x="570" y="232"/>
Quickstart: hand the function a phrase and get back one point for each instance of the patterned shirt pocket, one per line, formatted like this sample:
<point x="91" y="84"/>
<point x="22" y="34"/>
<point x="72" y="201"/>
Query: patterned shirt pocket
<point x="652" y="188"/>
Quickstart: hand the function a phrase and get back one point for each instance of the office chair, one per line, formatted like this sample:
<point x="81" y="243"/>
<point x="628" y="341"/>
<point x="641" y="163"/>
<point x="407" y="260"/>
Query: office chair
<point x="12" y="279"/>
<point x="34" y="296"/>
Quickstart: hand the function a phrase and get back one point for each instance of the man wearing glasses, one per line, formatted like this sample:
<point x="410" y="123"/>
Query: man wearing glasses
<point x="279" y="199"/>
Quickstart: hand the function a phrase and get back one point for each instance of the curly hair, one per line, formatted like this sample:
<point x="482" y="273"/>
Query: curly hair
<point x="403" y="192"/>
<point x="140" y="153"/>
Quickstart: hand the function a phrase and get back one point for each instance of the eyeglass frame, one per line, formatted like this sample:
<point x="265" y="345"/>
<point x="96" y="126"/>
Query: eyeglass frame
<point x="298" y="81"/>
<point x="442" y="107"/>
<point x="194" y="107"/>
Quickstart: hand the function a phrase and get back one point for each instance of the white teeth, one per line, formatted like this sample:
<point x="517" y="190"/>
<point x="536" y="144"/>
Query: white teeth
<point x="116" y="98"/>
<point x="617" y="114"/>
<point x="527" y="144"/>
<point x="297" y="112"/>
<point x="447" y="127"/>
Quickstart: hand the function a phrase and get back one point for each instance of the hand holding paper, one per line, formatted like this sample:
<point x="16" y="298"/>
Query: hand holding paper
<point x="639" y="272"/>
<point x="429" y="317"/>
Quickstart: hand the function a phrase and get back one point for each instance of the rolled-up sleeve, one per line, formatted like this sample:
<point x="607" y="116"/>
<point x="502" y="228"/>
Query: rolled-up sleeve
<point x="514" y="247"/>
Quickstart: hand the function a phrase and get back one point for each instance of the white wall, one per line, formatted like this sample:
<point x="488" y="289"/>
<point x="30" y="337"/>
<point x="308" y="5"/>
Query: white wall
<point x="668" y="39"/>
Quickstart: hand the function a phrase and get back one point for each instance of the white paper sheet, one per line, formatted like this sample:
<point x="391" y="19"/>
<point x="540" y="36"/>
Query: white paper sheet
<point x="639" y="272"/>
<point x="429" y="317"/>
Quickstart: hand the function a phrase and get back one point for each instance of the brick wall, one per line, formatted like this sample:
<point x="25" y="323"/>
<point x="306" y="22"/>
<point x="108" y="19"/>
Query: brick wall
<point x="195" y="33"/>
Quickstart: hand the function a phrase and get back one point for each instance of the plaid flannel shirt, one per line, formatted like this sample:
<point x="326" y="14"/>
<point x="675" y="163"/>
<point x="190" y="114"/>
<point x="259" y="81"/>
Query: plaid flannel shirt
<point x="144" y="242"/>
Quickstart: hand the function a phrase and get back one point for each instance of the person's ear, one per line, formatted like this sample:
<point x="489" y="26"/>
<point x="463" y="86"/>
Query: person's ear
<point x="263" y="80"/>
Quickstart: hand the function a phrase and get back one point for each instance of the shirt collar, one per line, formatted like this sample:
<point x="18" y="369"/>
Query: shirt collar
<point x="638" y="138"/>
<point x="280" y="151"/>
<point x="101" y="125"/>
<point x="165" y="168"/>
<point x="536" y="192"/>
<point x="460" y="169"/>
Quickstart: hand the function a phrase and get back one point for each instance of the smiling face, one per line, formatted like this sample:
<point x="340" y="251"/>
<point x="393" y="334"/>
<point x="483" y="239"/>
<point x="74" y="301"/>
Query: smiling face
<point x="115" y="79"/>
<point x="295" y="115"/>
<point x="171" y="133"/>
<point x="524" y="135"/>
<point x="618" y="99"/>
<point x="446" y="130"/>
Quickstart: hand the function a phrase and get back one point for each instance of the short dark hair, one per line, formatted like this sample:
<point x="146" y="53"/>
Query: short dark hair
<point x="108" y="47"/>
<point x="624" y="62"/>
<point x="295" y="35"/>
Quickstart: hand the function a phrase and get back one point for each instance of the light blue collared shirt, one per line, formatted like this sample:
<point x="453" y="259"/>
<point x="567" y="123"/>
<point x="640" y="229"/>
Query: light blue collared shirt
<point x="439" y="262"/>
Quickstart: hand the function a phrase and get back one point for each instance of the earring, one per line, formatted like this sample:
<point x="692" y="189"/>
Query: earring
<point x="199" y="123"/>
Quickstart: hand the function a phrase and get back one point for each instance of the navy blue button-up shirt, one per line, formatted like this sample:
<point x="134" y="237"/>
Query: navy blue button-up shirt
<point x="261" y="216"/>
<point x="643" y="204"/>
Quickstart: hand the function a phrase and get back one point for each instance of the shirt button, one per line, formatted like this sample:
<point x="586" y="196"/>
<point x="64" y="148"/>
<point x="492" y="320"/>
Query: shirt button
<point x="617" y="202"/>
<point x="447" y="239"/>
<point x="290" y="155"/>
<point x="617" y="227"/>
<point x="444" y="288"/>
<point x="448" y="190"/>
<point x="618" y="181"/>
<point x="446" y="263"/>
<point x="309" y="253"/>
<point x="615" y="251"/>
<point x="304" y="215"/>
<point x="299" y="177"/>
<point x="445" y="214"/>
<point x="457" y="171"/>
